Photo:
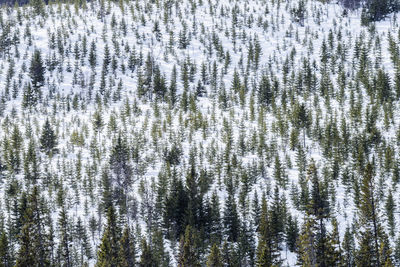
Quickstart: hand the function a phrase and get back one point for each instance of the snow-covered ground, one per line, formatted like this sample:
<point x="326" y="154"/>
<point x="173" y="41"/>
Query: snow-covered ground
<point x="280" y="39"/>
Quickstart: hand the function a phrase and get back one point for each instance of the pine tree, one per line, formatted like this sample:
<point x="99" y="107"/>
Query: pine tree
<point x="215" y="258"/>
<point x="265" y="91"/>
<point x="161" y="255"/>
<point x="231" y="218"/>
<point x="38" y="7"/>
<point x="292" y="233"/>
<point x="175" y="208"/>
<point x="64" y="251"/>
<point x="307" y="244"/>
<point x="194" y="204"/>
<point x="107" y="255"/>
<point x="80" y="234"/>
<point x="374" y="250"/>
<point x="159" y="86"/>
<point x="268" y="248"/>
<point x="188" y="252"/>
<point x="334" y="252"/>
<point x="26" y="254"/>
<point x="48" y="138"/>
<point x="30" y="97"/>
<point x="390" y="208"/>
<point x="215" y="219"/>
<point x="98" y="123"/>
<point x="319" y="209"/>
<point x="37" y="70"/>
<point x="31" y="166"/>
<point x="121" y="169"/>
<point x="33" y="240"/>
<point x="106" y="59"/>
<point x="127" y="252"/>
<point x="92" y="55"/>
<point x="147" y="257"/>
<point x="5" y="251"/>
<point x="348" y="247"/>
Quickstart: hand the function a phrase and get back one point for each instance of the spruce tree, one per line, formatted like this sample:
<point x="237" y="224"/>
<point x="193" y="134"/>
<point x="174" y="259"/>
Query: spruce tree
<point x="30" y="97"/>
<point x="147" y="257"/>
<point x="108" y="251"/>
<point x="374" y="250"/>
<point x="268" y="247"/>
<point x="121" y="169"/>
<point x="231" y="219"/>
<point x="31" y="165"/>
<point x="38" y="7"/>
<point x="48" y="138"/>
<point x="64" y="251"/>
<point x="188" y="251"/>
<point x="215" y="258"/>
<point x="127" y="251"/>
<point x="5" y="251"/>
<point x="33" y="240"/>
<point x="37" y="70"/>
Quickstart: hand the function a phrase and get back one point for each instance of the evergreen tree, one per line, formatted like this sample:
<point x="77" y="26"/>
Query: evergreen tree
<point x="127" y="252"/>
<point x="5" y="251"/>
<point x="147" y="257"/>
<point x="175" y="208"/>
<point x="307" y="244"/>
<point x="64" y="251"/>
<point x="108" y="251"/>
<point x="92" y="55"/>
<point x="215" y="258"/>
<point x="268" y="248"/>
<point x="30" y="97"/>
<point x="33" y="240"/>
<point x="37" y="70"/>
<point x="31" y="166"/>
<point x="265" y="91"/>
<point x="121" y="169"/>
<point x="38" y="7"/>
<point x="188" y="251"/>
<point x="348" y="247"/>
<point x="292" y="233"/>
<point x="374" y="250"/>
<point x="390" y="208"/>
<point x="48" y="138"/>
<point x="231" y="218"/>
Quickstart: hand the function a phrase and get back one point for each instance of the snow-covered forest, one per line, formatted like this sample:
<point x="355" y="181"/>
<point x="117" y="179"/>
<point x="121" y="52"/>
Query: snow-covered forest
<point x="198" y="133"/>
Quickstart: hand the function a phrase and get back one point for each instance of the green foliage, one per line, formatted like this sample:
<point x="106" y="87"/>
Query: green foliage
<point x="48" y="138"/>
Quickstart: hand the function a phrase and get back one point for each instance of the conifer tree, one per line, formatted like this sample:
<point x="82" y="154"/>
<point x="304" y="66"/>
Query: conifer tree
<point x="48" y="138"/>
<point x="5" y="251"/>
<point x="374" y="250"/>
<point x="30" y="97"/>
<point x="265" y="91"/>
<point x="127" y="251"/>
<point x="109" y="247"/>
<point x="37" y="70"/>
<point x="307" y="254"/>
<point x="348" y="247"/>
<point x="92" y="55"/>
<point x="31" y="166"/>
<point x="38" y="7"/>
<point x="64" y="251"/>
<point x="231" y="218"/>
<point x="33" y="240"/>
<point x="147" y="257"/>
<point x="188" y="251"/>
<point x="215" y="258"/>
<point x="121" y="169"/>
<point x="268" y="248"/>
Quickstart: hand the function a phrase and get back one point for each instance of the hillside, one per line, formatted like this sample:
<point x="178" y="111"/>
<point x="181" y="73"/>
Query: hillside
<point x="199" y="133"/>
